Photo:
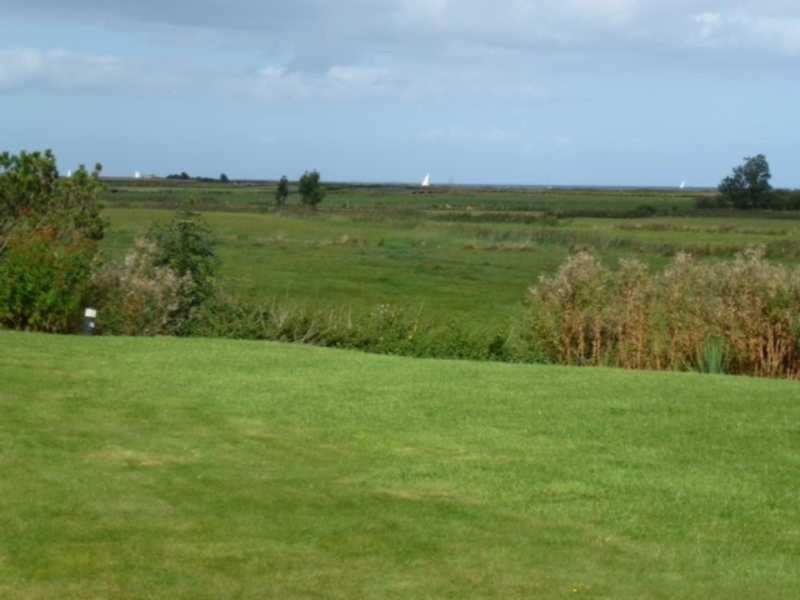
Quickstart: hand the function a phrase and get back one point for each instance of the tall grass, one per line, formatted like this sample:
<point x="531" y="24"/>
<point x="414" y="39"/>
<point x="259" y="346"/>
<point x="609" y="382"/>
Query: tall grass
<point x="737" y="316"/>
<point x="384" y="329"/>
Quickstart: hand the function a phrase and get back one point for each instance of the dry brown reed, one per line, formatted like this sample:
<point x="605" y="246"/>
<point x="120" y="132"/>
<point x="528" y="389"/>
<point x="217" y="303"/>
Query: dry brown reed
<point x="746" y="311"/>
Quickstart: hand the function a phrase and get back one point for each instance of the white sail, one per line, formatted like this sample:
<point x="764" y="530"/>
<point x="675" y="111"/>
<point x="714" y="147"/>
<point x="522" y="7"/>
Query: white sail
<point x="69" y="173"/>
<point x="683" y="185"/>
<point x="427" y="181"/>
<point x="137" y="175"/>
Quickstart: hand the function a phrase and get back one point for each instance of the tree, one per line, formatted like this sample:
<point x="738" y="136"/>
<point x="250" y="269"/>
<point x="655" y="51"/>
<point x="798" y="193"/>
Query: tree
<point x="49" y="228"/>
<point x="34" y="197"/>
<point x="311" y="191"/>
<point x="224" y="178"/>
<point x="282" y="193"/>
<point x="186" y="246"/>
<point x="748" y="186"/>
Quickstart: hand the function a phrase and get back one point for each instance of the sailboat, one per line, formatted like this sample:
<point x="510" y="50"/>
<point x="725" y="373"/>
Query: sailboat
<point x="682" y="185"/>
<point x="427" y="181"/>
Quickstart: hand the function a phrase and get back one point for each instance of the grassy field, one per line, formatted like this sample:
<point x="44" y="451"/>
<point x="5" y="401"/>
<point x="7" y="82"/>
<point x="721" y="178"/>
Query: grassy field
<point x="174" y="468"/>
<point x="466" y="254"/>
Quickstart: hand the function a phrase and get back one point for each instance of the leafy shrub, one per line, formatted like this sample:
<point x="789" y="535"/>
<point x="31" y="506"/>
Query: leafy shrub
<point x="186" y="247"/>
<point x="141" y="297"/>
<point x="740" y="316"/>
<point x="44" y="280"/>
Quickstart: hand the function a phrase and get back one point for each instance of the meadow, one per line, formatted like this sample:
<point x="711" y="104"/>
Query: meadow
<point x="464" y="254"/>
<point x="188" y="468"/>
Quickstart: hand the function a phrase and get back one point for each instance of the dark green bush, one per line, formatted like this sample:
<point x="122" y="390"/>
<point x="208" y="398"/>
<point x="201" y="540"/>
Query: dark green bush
<point x="44" y="281"/>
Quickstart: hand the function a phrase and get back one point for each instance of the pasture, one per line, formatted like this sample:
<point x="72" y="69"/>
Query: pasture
<point x="465" y="254"/>
<point x="188" y="468"/>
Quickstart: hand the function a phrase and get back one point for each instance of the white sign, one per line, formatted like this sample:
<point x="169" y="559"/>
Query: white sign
<point x="91" y="313"/>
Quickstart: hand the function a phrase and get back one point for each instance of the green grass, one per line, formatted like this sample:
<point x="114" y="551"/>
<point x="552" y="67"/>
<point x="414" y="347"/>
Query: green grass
<point x="171" y="468"/>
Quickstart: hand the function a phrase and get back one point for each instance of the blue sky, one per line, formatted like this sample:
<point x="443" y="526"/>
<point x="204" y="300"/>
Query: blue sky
<point x="606" y="92"/>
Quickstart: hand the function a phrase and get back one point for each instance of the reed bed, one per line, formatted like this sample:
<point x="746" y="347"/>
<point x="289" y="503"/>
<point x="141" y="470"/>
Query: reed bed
<point x="739" y="316"/>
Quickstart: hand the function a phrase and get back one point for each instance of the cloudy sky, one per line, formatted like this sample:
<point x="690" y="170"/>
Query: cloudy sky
<point x="629" y="92"/>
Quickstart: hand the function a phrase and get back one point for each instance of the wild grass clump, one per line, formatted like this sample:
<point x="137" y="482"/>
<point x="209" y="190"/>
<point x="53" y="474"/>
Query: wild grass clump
<point x="738" y="316"/>
<point x="385" y="329"/>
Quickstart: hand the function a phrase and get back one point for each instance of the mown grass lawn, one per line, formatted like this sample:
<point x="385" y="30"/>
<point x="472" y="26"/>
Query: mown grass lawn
<point x="170" y="468"/>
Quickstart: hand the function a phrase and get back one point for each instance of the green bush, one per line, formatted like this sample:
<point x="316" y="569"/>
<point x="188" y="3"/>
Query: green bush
<point x="44" y="281"/>
<point x="185" y="246"/>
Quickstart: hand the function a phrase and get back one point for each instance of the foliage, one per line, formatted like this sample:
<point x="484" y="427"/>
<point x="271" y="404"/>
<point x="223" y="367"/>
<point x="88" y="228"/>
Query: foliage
<point x="223" y="178"/>
<point x="32" y="196"/>
<point x="742" y="316"/>
<point x="786" y="200"/>
<point x="748" y="186"/>
<point x="44" y="280"/>
<point x="186" y="246"/>
<point x="282" y="192"/>
<point x="385" y="329"/>
<point x="142" y="296"/>
<point x="311" y="190"/>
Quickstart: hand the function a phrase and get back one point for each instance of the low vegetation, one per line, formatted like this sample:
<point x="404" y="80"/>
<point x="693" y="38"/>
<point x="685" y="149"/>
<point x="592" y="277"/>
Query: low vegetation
<point x="742" y="316"/>
<point x="383" y="270"/>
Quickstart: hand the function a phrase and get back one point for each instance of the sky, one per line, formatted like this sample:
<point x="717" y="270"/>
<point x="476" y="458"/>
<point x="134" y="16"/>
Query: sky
<point x="519" y="92"/>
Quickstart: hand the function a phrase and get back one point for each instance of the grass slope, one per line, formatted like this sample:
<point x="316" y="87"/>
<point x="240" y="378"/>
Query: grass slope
<point x="168" y="468"/>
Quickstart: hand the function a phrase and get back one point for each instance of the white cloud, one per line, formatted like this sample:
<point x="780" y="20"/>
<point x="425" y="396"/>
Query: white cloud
<point x="403" y="50"/>
<point x="56" y="69"/>
<point x="740" y="30"/>
<point x="63" y="71"/>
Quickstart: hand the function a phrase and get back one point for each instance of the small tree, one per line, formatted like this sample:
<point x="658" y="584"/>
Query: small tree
<point x="185" y="245"/>
<point x="224" y="178"/>
<point x="748" y="186"/>
<point x="282" y="193"/>
<point x="311" y="190"/>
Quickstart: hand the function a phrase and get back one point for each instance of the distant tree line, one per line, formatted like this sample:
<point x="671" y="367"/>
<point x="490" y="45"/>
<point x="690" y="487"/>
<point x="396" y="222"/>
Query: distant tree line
<point x="184" y="176"/>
